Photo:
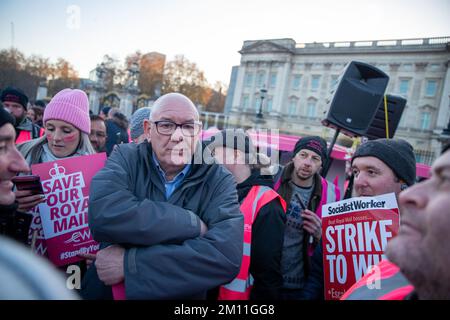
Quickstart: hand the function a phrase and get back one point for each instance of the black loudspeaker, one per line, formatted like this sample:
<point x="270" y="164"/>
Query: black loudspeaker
<point x="356" y="98"/>
<point x="395" y="107"/>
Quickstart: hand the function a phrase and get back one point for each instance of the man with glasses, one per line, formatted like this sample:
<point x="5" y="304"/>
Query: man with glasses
<point x="97" y="135"/>
<point x="175" y="226"/>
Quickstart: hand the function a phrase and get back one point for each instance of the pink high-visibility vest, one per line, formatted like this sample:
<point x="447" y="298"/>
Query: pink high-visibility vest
<point x="25" y="136"/>
<point x="393" y="285"/>
<point x="240" y="287"/>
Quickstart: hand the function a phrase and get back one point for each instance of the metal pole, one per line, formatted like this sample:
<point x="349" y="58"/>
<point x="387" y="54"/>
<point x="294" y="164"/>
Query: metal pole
<point x="12" y="34"/>
<point x="330" y="149"/>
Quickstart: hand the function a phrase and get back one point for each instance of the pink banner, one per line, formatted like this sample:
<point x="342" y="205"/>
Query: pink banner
<point x="36" y="237"/>
<point x="64" y="215"/>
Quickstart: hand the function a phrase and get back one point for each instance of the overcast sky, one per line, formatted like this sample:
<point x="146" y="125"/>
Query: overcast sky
<point x="208" y="32"/>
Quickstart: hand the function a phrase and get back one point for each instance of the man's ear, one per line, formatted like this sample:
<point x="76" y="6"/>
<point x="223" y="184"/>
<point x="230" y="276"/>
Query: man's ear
<point x="147" y="126"/>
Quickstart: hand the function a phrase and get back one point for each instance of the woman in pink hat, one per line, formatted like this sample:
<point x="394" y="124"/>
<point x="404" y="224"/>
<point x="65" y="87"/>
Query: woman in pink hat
<point x="67" y="127"/>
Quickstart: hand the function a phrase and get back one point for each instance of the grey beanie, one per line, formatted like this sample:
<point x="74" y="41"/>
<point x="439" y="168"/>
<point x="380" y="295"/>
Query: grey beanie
<point x="137" y="119"/>
<point x="397" y="154"/>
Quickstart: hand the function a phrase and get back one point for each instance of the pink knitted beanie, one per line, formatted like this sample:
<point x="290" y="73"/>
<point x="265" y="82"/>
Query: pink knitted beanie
<point x="71" y="106"/>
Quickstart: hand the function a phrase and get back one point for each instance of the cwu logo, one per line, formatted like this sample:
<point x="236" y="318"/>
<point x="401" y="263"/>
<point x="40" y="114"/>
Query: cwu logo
<point x="79" y="236"/>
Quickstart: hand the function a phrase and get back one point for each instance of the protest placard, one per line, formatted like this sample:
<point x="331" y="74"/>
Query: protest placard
<point x="354" y="236"/>
<point x="36" y="234"/>
<point x="64" y="214"/>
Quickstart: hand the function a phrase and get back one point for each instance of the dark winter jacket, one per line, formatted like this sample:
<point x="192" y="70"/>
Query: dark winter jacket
<point x="14" y="224"/>
<point x="116" y="131"/>
<point x="166" y="258"/>
<point x="314" y="285"/>
<point x="285" y="191"/>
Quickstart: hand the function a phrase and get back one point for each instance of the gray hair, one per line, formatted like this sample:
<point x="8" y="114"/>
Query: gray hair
<point x="33" y="148"/>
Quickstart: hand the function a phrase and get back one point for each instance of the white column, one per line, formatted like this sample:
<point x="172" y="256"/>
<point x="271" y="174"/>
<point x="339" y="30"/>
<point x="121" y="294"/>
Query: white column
<point x="239" y="86"/>
<point x="282" y="87"/>
<point x="444" y="110"/>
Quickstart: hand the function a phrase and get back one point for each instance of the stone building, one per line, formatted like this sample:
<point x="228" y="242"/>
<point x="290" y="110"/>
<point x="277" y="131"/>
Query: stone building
<point x="298" y="78"/>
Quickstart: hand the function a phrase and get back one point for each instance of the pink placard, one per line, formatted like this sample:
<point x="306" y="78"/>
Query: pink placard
<point x="64" y="215"/>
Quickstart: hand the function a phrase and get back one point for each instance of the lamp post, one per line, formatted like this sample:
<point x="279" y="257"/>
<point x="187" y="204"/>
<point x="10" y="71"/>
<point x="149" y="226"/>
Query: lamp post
<point x="262" y="96"/>
<point x="259" y="116"/>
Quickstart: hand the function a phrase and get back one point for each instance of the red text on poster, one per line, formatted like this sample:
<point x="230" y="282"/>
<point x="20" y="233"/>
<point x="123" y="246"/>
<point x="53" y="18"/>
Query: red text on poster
<point x="354" y="234"/>
<point x="64" y="215"/>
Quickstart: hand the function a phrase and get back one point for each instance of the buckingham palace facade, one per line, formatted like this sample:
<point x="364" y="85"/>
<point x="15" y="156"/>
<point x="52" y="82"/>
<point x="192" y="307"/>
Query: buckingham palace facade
<point x="296" y="79"/>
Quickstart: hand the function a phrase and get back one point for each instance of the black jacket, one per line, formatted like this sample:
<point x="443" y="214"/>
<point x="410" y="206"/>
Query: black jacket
<point x="267" y="241"/>
<point x="314" y="285"/>
<point x="14" y="224"/>
<point x="285" y="191"/>
<point x="165" y="257"/>
<point x="116" y="131"/>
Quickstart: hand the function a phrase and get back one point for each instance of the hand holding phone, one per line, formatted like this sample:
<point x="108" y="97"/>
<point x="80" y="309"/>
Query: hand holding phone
<point x="31" y="182"/>
<point x="29" y="192"/>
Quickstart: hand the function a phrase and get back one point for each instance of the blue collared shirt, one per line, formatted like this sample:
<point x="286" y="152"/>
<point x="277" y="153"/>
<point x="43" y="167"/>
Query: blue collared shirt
<point x="175" y="182"/>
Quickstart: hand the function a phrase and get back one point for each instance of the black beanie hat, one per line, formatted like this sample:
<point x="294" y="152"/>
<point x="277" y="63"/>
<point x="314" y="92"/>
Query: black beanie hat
<point x="40" y="103"/>
<point x="5" y="117"/>
<point x="236" y="139"/>
<point x="397" y="154"/>
<point x="313" y="143"/>
<point x="14" y="95"/>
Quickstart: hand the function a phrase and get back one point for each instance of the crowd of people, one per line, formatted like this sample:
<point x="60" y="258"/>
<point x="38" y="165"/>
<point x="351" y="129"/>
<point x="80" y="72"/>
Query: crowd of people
<point x="223" y="229"/>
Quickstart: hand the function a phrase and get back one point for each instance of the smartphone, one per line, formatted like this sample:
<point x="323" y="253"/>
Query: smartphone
<point x="30" y="182"/>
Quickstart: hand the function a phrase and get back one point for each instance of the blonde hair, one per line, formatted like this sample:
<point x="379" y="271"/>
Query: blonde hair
<point x="34" y="148"/>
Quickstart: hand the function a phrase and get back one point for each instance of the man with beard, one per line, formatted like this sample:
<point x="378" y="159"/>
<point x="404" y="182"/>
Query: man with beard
<point x="22" y="271"/>
<point x="97" y="135"/>
<point x="421" y="248"/>
<point x="305" y="191"/>
<point x="15" y="101"/>
<point x="13" y="223"/>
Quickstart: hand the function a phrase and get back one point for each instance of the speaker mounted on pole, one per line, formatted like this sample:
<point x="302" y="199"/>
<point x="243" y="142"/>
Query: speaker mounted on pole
<point x="355" y="99"/>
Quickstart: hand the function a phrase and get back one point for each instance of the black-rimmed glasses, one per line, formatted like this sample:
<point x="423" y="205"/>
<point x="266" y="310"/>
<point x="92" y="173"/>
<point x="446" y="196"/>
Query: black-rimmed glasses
<point x="167" y="128"/>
